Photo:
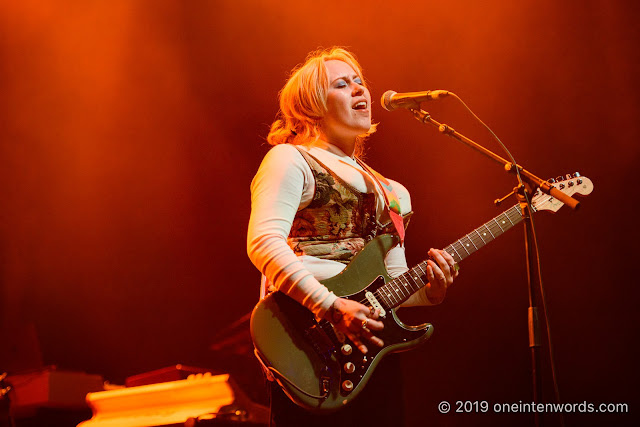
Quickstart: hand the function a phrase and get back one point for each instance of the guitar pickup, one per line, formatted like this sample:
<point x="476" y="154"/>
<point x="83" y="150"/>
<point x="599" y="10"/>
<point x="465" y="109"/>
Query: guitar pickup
<point x="375" y="303"/>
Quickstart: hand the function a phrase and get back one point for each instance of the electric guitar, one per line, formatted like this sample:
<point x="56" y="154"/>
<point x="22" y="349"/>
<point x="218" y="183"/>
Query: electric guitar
<point x="322" y="370"/>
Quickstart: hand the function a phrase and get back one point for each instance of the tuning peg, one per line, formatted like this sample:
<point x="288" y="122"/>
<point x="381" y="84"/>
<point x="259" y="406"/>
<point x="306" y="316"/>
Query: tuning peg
<point x="551" y="181"/>
<point x="576" y="174"/>
<point x="559" y="178"/>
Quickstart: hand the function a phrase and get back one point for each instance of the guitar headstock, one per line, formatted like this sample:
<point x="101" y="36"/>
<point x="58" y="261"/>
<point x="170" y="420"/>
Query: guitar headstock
<point x="569" y="184"/>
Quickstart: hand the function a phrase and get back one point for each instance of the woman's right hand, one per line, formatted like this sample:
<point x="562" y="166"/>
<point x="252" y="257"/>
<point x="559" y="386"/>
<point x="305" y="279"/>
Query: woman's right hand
<point x="357" y="321"/>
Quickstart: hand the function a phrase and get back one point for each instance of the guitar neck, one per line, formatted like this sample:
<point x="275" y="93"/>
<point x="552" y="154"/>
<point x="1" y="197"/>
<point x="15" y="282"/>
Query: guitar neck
<point x="402" y="287"/>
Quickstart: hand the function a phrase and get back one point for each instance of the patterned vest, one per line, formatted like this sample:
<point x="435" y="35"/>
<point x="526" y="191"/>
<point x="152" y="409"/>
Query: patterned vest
<point x="339" y="221"/>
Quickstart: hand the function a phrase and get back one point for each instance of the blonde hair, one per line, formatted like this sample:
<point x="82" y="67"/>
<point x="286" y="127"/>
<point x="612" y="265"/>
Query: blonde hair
<point x="303" y="99"/>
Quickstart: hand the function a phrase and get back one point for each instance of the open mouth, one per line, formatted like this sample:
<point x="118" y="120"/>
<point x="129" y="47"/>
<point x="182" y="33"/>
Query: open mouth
<point x="362" y="105"/>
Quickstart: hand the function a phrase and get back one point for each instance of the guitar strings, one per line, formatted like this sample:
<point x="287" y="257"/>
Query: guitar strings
<point x="397" y="280"/>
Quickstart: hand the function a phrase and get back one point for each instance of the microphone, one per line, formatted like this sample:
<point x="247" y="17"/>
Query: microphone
<point x="392" y="100"/>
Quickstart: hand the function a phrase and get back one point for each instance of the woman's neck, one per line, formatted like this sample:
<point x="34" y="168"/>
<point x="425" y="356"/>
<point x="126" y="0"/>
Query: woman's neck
<point x="347" y="145"/>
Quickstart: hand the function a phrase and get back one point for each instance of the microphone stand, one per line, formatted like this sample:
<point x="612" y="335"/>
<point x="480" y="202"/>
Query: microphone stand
<point x="532" y="181"/>
<point x="530" y="178"/>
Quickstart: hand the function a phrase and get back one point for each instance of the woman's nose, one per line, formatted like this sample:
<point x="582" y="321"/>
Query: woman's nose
<point x="357" y="89"/>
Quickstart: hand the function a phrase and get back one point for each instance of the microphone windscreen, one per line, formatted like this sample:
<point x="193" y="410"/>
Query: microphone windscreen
<point x="386" y="100"/>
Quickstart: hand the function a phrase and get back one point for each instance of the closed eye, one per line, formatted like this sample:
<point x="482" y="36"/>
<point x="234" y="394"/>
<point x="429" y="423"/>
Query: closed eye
<point x="342" y="82"/>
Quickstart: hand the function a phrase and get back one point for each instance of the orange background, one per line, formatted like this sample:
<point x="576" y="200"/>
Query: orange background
<point x="130" y="132"/>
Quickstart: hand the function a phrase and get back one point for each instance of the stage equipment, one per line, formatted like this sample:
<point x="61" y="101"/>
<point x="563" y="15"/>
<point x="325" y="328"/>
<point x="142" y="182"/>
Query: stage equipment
<point x="50" y="388"/>
<point x="185" y="402"/>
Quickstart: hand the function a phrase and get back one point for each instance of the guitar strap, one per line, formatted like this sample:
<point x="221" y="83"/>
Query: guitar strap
<point x="390" y="199"/>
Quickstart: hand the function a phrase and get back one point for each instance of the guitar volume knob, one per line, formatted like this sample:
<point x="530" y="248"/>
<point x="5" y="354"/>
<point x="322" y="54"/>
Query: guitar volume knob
<point x="347" y="385"/>
<point x="349" y="368"/>
<point x="346" y="349"/>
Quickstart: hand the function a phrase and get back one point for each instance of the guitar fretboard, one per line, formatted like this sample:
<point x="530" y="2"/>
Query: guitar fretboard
<point x="402" y="287"/>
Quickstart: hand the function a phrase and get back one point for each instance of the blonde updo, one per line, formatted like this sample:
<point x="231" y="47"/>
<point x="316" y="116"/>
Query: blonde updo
<point x="303" y="99"/>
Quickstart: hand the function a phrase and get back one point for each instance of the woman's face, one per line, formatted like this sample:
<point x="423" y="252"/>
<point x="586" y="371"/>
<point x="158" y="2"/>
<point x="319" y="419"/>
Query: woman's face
<point x="348" y="103"/>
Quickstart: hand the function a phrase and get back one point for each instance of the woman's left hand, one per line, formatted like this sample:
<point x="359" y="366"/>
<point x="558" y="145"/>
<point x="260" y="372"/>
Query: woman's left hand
<point x="441" y="270"/>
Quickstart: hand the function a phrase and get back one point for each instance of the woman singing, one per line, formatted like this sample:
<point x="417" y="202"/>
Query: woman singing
<point x="314" y="206"/>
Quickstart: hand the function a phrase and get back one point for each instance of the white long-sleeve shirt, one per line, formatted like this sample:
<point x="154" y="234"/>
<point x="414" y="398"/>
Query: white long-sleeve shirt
<point x="285" y="184"/>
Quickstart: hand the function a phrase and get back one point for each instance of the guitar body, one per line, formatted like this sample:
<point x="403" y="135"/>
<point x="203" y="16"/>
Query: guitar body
<point x="308" y="358"/>
<point x="316" y="367"/>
